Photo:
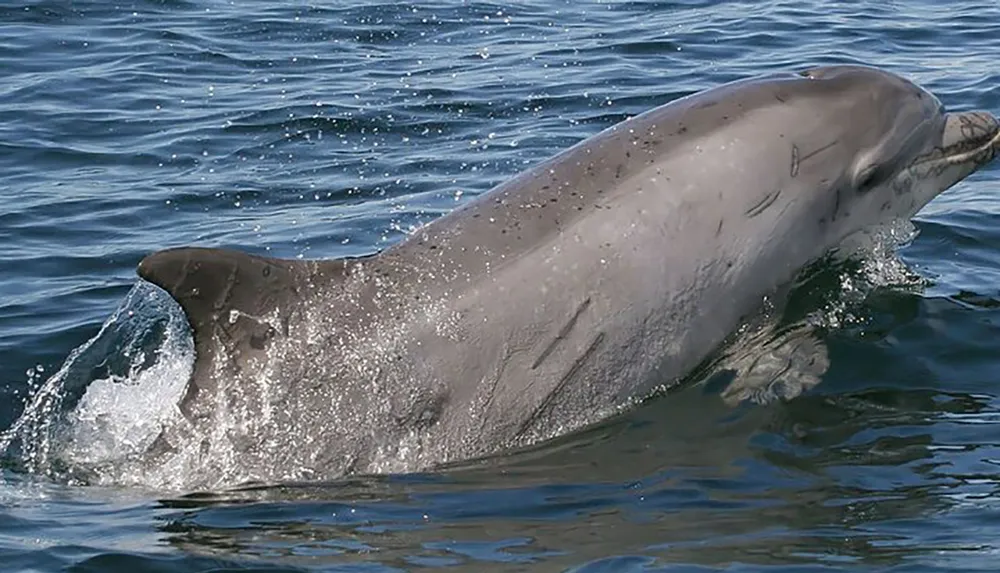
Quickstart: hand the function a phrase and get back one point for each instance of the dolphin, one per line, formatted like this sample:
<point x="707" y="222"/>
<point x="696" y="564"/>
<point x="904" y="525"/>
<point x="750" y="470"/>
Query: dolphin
<point x="557" y="298"/>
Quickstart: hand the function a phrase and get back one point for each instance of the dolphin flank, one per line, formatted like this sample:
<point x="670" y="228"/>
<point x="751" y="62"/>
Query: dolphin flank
<point x="558" y="297"/>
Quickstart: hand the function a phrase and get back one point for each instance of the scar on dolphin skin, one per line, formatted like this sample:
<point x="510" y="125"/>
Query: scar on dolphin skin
<point x="563" y="332"/>
<point x="975" y="126"/>
<point x="763" y="204"/>
<point x="798" y="158"/>
<point x="551" y="398"/>
<point x="491" y="389"/>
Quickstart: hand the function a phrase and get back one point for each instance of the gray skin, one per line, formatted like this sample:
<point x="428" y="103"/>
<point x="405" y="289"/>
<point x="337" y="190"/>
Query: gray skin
<point x="557" y="298"/>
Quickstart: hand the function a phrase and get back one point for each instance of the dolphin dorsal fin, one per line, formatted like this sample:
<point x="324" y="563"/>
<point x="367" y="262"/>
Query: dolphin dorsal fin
<point x="234" y="300"/>
<point x="211" y="283"/>
<point x="236" y="303"/>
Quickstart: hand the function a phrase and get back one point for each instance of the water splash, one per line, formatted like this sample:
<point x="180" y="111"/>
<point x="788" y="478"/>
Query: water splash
<point x="877" y="265"/>
<point x="111" y="397"/>
<point x="780" y="352"/>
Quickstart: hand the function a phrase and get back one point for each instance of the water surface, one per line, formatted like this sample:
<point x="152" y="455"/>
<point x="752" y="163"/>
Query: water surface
<point x="332" y="129"/>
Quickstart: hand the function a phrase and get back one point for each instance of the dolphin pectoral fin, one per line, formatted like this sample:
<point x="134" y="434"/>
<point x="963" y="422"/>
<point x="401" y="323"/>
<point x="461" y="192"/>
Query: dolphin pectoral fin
<point x="786" y="365"/>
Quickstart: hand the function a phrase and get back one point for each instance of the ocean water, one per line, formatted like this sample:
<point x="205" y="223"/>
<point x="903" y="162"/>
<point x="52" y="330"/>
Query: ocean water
<point x="328" y="129"/>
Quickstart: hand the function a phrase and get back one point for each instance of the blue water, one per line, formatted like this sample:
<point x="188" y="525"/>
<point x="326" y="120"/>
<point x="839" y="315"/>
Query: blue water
<point x="331" y="129"/>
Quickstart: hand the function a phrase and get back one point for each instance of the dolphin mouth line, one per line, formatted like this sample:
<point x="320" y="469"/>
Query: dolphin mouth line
<point x="982" y="154"/>
<point x="989" y="148"/>
<point x="980" y="150"/>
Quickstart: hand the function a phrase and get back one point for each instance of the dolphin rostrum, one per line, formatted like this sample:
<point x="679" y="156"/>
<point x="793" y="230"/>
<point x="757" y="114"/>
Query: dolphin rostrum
<point x="577" y="287"/>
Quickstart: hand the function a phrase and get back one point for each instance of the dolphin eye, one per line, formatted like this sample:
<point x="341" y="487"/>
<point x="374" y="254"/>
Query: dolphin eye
<point x="870" y="177"/>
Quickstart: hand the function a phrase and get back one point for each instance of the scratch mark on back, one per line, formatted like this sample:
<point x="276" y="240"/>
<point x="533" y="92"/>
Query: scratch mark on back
<point x="816" y="152"/>
<point x="763" y="204"/>
<point x="563" y="333"/>
<point x="546" y="404"/>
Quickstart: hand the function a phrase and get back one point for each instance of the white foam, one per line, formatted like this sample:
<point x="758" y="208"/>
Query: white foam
<point x="115" y="418"/>
<point x="121" y="418"/>
<point x="876" y="250"/>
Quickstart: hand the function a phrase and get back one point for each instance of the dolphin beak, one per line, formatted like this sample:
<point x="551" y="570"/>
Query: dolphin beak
<point x="971" y="135"/>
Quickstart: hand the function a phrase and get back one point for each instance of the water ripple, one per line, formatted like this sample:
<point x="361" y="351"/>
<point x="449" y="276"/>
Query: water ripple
<point x="331" y="130"/>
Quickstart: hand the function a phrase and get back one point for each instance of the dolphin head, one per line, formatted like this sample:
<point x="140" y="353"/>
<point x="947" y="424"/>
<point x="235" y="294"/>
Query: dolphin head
<point x="899" y="147"/>
<point x="965" y="142"/>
